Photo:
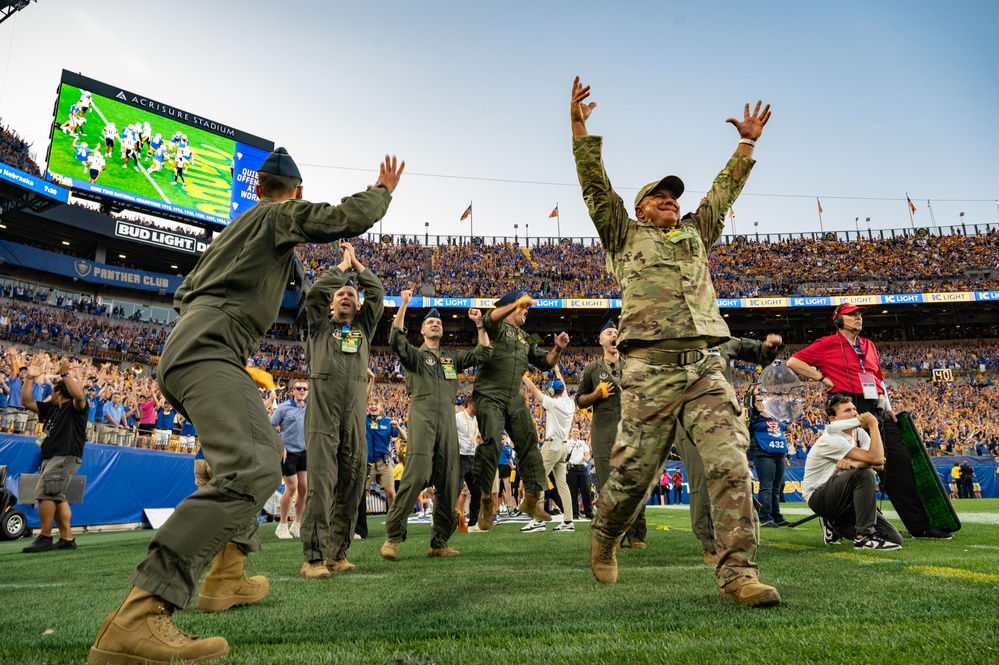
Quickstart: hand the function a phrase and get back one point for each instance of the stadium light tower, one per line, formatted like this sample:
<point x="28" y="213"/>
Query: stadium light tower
<point x="9" y="7"/>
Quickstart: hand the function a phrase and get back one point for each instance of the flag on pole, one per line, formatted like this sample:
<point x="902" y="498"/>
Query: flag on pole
<point x="820" y="205"/>
<point x="554" y="212"/>
<point x="731" y="212"/>
<point x="465" y="215"/>
<point x="912" y="206"/>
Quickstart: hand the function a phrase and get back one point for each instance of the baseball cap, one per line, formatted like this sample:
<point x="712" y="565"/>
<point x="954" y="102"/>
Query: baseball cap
<point x="670" y="182"/>
<point x="847" y="308"/>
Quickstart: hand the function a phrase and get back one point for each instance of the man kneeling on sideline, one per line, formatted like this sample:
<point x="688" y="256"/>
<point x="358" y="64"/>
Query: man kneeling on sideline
<point x="839" y="482"/>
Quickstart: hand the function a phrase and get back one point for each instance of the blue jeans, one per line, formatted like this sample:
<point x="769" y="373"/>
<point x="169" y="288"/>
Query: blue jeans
<point x="770" y="470"/>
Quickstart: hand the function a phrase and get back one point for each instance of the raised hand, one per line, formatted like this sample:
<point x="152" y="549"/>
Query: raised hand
<point x="752" y="124"/>
<point x="580" y="111"/>
<point x="562" y="340"/>
<point x="406" y="295"/>
<point x="475" y="315"/>
<point x="389" y="173"/>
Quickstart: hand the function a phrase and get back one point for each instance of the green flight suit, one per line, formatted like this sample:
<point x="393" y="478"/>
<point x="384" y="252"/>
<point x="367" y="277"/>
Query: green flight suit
<point x="667" y="295"/>
<point x="335" y="435"/>
<point x="603" y="425"/>
<point x="499" y="405"/>
<point x="747" y="350"/>
<point x="432" y="445"/>
<point x="226" y="304"/>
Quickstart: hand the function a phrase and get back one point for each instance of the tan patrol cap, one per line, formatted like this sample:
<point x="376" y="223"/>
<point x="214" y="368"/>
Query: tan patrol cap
<point x="670" y="182"/>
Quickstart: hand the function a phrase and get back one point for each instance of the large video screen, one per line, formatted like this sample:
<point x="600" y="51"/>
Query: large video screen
<point x="149" y="155"/>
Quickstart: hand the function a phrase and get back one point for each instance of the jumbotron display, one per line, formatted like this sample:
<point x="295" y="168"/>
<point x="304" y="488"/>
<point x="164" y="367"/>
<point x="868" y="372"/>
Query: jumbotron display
<point x="113" y="143"/>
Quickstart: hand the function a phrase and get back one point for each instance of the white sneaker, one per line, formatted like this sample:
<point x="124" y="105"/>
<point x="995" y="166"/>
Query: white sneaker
<point x="296" y="529"/>
<point x="565" y="526"/>
<point x="357" y="536"/>
<point x="474" y="529"/>
<point x="283" y="533"/>
<point x="533" y="526"/>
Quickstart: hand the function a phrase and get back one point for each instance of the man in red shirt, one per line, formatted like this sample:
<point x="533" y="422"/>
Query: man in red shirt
<point x="847" y="363"/>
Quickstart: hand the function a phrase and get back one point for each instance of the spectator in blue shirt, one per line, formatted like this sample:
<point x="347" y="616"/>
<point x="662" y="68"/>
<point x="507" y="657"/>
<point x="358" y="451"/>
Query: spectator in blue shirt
<point x="289" y="420"/>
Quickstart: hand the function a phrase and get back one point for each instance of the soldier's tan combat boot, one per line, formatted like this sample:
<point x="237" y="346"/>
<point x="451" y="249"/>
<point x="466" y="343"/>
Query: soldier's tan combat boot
<point x="532" y="505"/>
<point x="710" y="558"/>
<point x="485" y="522"/>
<point x="750" y="592"/>
<point x="389" y="551"/>
<point x="442" y="553"/>
<point x="227" y="585"/>
<point x="140" y="631"/>
<point x="603" y="561"/>
<point x="339" y="565"/>
<point x="314" y="570"/>
<point x="636" y="544"/>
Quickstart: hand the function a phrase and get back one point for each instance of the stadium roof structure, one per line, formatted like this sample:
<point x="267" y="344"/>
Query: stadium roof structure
<point x="9" y="7"/>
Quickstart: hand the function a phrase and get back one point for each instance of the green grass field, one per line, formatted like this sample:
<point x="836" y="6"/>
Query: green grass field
<point x="208" y="179"/>
<point x="530" y="598"/>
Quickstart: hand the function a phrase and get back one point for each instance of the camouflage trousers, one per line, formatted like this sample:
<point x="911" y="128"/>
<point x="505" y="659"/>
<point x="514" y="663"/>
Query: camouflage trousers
<point x="655" y="399"/>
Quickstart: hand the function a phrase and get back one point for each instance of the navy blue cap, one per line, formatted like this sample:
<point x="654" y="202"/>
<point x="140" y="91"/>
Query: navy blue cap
<point x="555" y="386"/>
<point x="609" y="325"/>
<point x="432" y="314"/>
<point x="351" y="282"/>
<point x="279" y="162"/>
<point x="510" y="298"/>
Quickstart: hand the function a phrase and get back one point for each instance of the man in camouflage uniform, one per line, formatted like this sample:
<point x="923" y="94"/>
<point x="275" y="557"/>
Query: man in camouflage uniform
<point x="746" y="350"/>
<point x="340" y="334"/>
<point x="600" y="388"/>
<point x="226" y="304"/>
<point x="669" y="319"/>
<point x="499" y="404"/>
<point x="432" y="449"/>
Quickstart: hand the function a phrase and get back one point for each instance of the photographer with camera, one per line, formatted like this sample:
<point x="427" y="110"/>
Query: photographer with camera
<point x="839" y="483"/>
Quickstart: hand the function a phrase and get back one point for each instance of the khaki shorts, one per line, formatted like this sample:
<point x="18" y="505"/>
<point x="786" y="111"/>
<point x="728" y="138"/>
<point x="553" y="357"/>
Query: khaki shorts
<point x="383" y="473"/>
<point x="55" y="476"/>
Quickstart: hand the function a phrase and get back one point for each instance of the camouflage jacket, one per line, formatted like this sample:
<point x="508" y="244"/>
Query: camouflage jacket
<point x="663" y="275"/>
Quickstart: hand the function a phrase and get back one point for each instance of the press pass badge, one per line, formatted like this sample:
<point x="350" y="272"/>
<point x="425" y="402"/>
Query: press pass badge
<point x="350" y="342"/>
<point x="869" y="386"/>
<point x="41" y="439"/>
<point x="447" y="364"/>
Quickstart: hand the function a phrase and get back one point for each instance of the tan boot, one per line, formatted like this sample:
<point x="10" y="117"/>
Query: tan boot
<point x="339" y="566"/>
<point x="485" y="522"/>
<point x="710" y="558"/>
<point x="140" y="631"/>
<point x="636" y="544"/>
<point x="390" y="551"/>
<point x="750" y="592"/>
<point x="442" y="553"/>
<point x="314" y="570"/>
<point x="227" y="584"/>
<point x="532" y="505"/>
<point x="603" y="561"/>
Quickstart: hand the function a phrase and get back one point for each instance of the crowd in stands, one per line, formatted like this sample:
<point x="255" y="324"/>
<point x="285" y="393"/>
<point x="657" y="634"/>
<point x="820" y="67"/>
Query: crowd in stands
<point x="16" y="152"/>
<point x="798" y="266"/>
<point x="398" y="266"/>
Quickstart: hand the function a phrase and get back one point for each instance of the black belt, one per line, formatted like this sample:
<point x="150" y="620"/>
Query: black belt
<point x="576" y="467"/>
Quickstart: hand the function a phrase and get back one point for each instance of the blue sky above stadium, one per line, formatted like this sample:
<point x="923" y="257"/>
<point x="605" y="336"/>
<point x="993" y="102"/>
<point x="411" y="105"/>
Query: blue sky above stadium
<point x="870" y="100"/>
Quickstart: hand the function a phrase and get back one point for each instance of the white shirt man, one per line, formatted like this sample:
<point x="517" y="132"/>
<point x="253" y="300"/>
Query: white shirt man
<point x="839" y="482"/>
<point x="468" y="438"/>
<point x="559" y="409"/>
<point x="578" y="476"/>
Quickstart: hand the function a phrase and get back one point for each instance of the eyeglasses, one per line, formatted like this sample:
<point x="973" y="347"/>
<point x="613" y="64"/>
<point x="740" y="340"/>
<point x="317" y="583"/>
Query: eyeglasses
<point x="300" y="388"/>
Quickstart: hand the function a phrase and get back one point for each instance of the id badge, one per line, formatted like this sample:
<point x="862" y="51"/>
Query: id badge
<point x="448" y="367"/>
<point x="351" y="342"/>
<point x="41" y="439"/>
<point x="869" y="386"/>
